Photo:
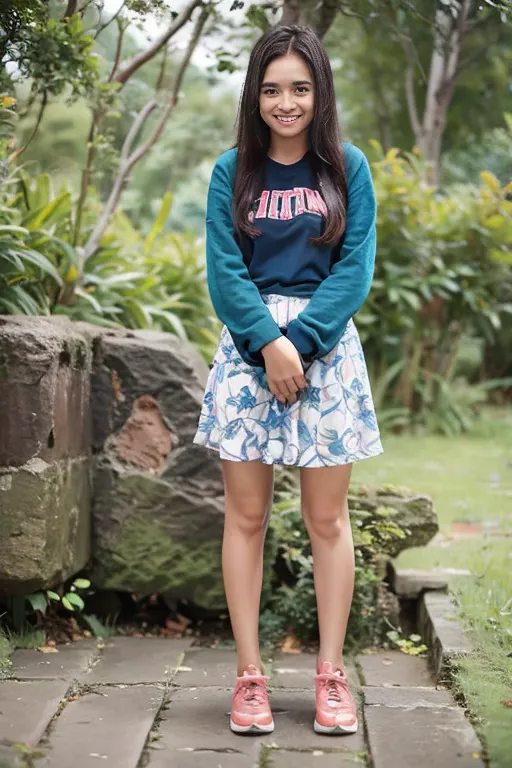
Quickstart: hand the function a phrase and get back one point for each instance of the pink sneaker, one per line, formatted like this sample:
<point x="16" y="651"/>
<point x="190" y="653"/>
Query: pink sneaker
<point x="250" y="709"/>
<point x="335" y="708"/>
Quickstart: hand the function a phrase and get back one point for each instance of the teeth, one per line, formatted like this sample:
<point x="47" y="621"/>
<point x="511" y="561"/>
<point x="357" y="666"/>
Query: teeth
<point x="287" y="119"/>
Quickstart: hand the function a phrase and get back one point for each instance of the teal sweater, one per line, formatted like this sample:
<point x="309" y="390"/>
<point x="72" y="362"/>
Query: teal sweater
<point x="237" y="300"/>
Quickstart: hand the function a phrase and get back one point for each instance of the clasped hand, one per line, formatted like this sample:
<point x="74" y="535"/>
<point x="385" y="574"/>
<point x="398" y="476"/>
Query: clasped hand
<point x="283" y="367"/>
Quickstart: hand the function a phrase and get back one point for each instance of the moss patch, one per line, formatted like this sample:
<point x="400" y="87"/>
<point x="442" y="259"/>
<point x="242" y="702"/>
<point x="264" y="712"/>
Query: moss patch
<point x="146" y="559"/>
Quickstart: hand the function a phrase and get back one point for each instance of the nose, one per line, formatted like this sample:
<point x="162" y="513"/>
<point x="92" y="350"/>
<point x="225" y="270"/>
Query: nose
<point x="286" y="102"/>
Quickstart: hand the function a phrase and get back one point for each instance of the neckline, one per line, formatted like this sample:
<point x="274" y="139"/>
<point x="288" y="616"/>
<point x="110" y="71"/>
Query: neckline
<point x="287" y="165"/>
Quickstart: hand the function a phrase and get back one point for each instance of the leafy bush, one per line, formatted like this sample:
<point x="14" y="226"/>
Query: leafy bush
<point x="156" y="281"/>
<point x="442" y="273"/>
<point x="292" y="607"/>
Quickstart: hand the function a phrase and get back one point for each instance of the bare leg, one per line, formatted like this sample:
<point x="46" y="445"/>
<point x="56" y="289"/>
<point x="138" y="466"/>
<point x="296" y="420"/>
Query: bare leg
<point x="325" y="509"/>
<point x="249" y="491"/>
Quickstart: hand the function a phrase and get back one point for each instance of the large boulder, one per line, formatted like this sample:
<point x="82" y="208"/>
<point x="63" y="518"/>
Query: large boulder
<point x="158" y="506"/>
<point x="412" y="513"/>
<point x="45" y="520"/>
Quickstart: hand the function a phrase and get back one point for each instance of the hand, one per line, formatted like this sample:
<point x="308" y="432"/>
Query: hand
<point x="283" y="366"/>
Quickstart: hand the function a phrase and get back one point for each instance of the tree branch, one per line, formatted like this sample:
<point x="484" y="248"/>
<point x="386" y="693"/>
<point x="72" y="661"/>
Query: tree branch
<point x="328" y="12"/>
<point x="349" y="12"/>
<point x="135" y="62"/>
<point x="292" y="13"/>
<point x="71" y="9"/>
<point x="20" y="150"/>
<point x="411" y="102"/>
<point x="109" y="22"/>
<point x="119" y="48"/>
<point x="129" y="158"/>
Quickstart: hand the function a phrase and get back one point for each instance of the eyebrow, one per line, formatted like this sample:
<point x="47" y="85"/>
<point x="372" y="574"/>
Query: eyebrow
<point x="295" y="82"/>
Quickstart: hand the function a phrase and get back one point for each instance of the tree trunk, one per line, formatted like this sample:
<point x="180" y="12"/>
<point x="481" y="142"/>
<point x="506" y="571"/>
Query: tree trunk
<point x="448" y="37"/>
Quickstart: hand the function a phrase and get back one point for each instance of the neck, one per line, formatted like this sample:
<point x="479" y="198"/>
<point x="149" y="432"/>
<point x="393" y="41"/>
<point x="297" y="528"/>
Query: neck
<point x="288" y="150"/>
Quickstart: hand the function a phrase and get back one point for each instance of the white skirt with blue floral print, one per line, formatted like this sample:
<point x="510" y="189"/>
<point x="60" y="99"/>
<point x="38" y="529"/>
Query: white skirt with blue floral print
<point x="333" y="421"/>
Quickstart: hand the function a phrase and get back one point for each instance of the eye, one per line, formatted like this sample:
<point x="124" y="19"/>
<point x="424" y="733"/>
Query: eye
<point x="301" y="88"/>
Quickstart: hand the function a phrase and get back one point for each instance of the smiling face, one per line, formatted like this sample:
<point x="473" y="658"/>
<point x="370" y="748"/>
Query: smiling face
<point x="287" y="96"/>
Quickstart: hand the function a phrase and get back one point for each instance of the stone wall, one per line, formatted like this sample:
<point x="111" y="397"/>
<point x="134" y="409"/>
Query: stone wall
<point x="97" y="464"/>
<point x="45" y="470"/>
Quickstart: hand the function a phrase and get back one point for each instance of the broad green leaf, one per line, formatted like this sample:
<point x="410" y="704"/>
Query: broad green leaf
<point x="8" y="229"/>
<point x="82" y="583"/>
<point x="12" y="257"/>
<point x="159" y="223"/>
<point x="51" y="211"/>
<point x="89" y="298"/>
<point x="75" y="599"/>
<point x="116" y="279"/>
<point x="26" y="303"/>
<point x="37" y="601"/>
<point x="67" y="604"/>
<point x="33" y="257"/>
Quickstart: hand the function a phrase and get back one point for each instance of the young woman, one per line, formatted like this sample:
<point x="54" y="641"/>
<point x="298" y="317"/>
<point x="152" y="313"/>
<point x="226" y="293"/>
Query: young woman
<point x="290" y="251"/>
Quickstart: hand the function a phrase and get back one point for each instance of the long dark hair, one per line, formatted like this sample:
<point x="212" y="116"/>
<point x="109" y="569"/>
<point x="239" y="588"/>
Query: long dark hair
<point x="253" y="134"/>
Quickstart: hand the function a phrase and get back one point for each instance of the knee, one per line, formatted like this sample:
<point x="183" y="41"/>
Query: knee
<point x="250" y="515"/>
<point x="323" y="523"/>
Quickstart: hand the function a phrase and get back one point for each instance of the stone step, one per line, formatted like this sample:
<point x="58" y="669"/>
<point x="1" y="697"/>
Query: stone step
<point x="409" y="583"/>
<point x="108" y="726"/>
<point x="133" y="660"/>
<point x="69" y="662"/>
<point x="27" y="708"/>
<point x="418" y="727"/>
<point x="445" y="637"/>
<point x="394" y="668"/>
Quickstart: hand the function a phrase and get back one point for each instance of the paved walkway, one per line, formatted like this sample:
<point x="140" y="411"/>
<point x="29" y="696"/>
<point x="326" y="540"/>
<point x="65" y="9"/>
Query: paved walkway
<point x="138" y="702"/>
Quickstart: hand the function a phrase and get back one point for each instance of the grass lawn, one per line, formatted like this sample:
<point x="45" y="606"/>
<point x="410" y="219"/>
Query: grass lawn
<point x="470" y="481"/>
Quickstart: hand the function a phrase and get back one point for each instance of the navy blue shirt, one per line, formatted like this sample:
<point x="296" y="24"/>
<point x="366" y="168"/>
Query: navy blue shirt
<point x="288" y="213"/>
<point x="235" y="295"/>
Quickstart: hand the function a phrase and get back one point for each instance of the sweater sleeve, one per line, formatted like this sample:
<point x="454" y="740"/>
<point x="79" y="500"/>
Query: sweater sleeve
<point x="235" y="298"/>
<point x="319" y="327"/>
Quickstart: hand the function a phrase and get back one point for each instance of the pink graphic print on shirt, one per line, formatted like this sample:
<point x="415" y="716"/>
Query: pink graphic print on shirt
<point x="288" y="203"/>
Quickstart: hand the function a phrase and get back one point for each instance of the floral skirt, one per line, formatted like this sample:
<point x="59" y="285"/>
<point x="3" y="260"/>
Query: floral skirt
<point x="333" y="421"/>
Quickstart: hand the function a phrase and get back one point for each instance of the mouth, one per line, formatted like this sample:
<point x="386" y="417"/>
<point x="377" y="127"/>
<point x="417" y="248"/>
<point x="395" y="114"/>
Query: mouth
<point x="287" y="120"/>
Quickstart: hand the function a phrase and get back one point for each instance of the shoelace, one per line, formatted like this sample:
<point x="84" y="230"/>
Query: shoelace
<point x="253" y="692"/>
<point x="335" y="690"/>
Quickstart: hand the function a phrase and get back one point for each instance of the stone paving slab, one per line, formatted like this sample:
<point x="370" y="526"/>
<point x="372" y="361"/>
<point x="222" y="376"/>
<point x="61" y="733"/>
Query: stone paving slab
<point x="133" y="660"/>
<point x="208" y="667"/>
<point x="297" y="670"/>
<point x="292" y="759"/>
<point x="205" y="759"/>
<point x="69" y="662"/>
<point x="27" y="708"/>
<point x="437" y="734"/>
<point x="394" y="668"/>
<point x="106" y="727"/>
<point x="198" y="720"/>
<point x="294" y="715"/>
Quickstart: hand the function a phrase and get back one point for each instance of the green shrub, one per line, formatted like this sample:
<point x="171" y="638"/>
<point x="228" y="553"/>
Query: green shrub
<point x="292" y="606"/>
<point x="442" y="273"/>
<point x="155" y="281"/>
